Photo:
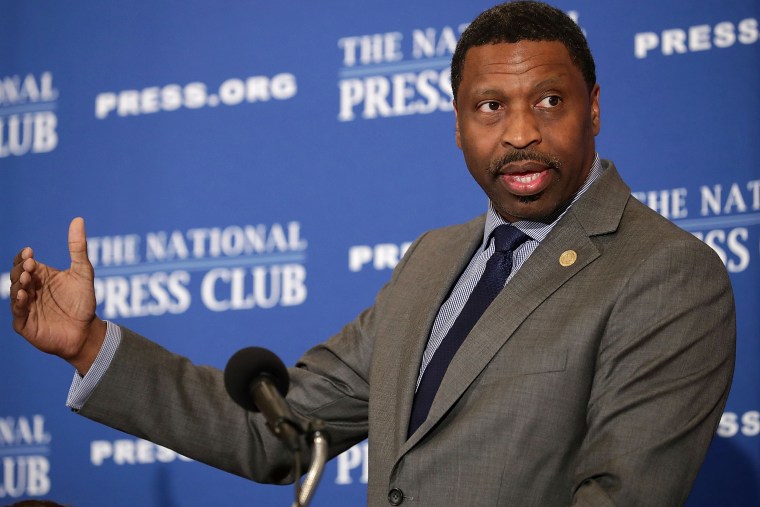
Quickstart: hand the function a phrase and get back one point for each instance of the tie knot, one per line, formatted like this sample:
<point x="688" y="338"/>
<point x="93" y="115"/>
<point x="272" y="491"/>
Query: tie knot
<point x="508" y="237"/>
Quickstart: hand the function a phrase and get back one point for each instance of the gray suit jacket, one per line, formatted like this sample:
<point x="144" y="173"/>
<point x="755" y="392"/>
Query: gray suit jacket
<point x="600" y="382"/>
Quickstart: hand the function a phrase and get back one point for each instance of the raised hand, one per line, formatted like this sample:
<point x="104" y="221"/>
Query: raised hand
<point x="55" y="310"/>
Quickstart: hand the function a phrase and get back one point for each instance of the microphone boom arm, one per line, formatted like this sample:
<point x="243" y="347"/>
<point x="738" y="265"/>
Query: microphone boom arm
<point x="280" y="419"/>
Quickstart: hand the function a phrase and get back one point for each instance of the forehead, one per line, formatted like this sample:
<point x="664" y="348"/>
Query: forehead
<point x="516" y="63"/>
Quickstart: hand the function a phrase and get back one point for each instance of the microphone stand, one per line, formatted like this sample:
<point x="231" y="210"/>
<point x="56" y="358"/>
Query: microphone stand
<point x="305" y="490"/>
<point x="314" y="432"/>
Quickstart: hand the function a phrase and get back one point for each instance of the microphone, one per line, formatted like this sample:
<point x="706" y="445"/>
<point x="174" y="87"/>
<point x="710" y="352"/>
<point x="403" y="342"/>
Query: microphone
<point x="257" y="380"/>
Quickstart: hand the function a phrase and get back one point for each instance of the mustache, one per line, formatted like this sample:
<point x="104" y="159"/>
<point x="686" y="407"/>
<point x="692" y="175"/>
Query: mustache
<point x="549" y="161"/>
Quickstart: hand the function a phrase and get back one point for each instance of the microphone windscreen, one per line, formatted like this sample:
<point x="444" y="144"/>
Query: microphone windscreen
<point x="245" y="366"/>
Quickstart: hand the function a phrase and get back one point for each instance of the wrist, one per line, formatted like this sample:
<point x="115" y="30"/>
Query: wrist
<point x="96" y="334"/>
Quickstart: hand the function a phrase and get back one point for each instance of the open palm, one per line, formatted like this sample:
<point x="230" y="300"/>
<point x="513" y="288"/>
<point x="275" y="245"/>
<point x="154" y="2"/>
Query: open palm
<point x="55" y="310"/>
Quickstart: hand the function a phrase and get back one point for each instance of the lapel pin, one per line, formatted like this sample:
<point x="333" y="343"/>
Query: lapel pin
<point x="568" y="258"/>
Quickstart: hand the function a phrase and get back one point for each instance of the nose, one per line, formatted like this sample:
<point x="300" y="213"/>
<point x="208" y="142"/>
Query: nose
<point x="521" y="129"/>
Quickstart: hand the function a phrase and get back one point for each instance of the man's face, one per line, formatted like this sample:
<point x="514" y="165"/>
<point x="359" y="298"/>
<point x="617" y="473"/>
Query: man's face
<point x="526" y="123"/>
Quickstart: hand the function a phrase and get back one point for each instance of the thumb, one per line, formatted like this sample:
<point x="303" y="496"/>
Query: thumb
<point x="80" y="264"/>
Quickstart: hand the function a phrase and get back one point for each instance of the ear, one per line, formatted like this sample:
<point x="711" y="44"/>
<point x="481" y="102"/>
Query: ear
<point x="458" y="135"/>
<point x="595" y="114"/>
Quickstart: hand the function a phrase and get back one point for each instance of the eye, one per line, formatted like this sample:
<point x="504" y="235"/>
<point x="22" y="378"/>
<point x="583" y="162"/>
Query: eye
<point x="550" y="101"/>
<point x="489" y="107"/>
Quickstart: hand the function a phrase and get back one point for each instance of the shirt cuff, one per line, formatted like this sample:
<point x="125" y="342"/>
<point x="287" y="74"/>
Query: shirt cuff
<point x="82" y="387"/>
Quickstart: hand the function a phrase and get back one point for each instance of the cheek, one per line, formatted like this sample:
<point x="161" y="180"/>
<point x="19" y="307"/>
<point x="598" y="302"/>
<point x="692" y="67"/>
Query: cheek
<point x="479" y="150"/>
<point x="565" y="141"/>
<point x="472" y="154"/>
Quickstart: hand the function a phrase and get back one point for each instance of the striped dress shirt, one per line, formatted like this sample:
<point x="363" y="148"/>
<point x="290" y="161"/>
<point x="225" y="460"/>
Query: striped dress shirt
<point x="537" y="231"/>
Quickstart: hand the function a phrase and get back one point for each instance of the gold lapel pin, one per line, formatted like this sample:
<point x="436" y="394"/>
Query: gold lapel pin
<point x="568" y="258"/>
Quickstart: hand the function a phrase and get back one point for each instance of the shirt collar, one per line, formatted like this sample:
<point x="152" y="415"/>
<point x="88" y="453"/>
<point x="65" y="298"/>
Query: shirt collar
<point x="539" y="230"/>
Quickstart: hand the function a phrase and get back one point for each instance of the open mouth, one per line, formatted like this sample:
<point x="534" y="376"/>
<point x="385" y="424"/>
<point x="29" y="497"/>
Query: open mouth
<point x="526" y="182"/>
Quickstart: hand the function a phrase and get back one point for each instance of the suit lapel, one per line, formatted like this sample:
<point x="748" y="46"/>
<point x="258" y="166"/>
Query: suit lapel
<point x="421" y="302"/>
<point x="598" y="212"/>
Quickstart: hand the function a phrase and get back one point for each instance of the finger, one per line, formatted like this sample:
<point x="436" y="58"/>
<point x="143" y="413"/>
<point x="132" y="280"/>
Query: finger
<point x="23" y="285"/>
<point x="24" y="253"/>
<point x="25" y="280"/>
<point x="19" y="300"/>
<point x="21" y="278"/>
<point x="15" y="288"/>
<point x="26" y="266"/>
<point x="16" y="271"/>
<point x="80" y="264"/>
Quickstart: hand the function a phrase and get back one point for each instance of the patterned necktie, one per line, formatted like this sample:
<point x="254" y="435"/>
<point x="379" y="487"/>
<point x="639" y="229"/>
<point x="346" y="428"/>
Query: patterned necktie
<point x="506" y="239"/>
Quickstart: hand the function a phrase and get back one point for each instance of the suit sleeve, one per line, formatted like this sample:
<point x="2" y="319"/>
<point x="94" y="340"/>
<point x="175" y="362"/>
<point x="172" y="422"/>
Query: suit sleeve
<point x="661" y="382"/>
<point x="154" y="394"/>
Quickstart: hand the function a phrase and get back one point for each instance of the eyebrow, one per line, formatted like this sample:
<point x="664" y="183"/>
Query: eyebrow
<point x="486" y="91"/>
<point x="550" y="81"/>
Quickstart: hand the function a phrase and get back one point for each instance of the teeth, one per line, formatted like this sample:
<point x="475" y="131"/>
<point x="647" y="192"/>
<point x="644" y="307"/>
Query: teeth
<point x="527" y="178"/>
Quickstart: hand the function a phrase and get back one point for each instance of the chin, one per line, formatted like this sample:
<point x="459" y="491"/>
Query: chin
<point x="524" y="211"/>
<point x="526" y="199"/>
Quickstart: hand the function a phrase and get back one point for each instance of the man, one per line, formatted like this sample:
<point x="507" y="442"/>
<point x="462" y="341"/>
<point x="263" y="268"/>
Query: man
<point x="596" y="376"/>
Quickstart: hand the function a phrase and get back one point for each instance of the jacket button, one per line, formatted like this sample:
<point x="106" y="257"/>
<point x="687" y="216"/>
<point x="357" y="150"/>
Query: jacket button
<point x="395" y="496"/>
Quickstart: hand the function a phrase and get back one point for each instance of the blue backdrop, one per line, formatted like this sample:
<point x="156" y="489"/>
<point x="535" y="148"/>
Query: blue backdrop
<point x="251" y="171"/>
